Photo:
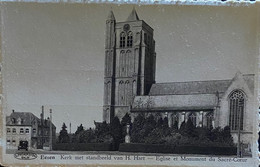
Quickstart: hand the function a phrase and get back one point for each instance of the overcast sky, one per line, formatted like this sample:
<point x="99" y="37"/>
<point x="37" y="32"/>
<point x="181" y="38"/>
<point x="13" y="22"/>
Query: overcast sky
<point x="53" y="54"/>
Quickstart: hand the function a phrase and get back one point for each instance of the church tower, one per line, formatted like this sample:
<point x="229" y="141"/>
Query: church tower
<point x="130" y="62"/>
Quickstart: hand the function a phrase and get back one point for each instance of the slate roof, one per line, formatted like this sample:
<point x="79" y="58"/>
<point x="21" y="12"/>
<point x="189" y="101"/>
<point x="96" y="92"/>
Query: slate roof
<point x="175" y="102"/>
<point x="197" y="87"/>
<point x="193" y="87"/>
<point x="27" y="117"/>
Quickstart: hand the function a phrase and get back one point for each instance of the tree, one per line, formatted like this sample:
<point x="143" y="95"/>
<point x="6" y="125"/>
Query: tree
<point x="189" y="128"/>
<point x="76" y="135"/>
<point x="126" y="120"/>
<point x="79" y="129"/>
<point x="182" y="127"/>
<point x="175" y="125"/>
<point x="64" y="137"/>
<point x="116" y="131"/>
<point x="149" y="125"/>
<point x="136" y="129"/>
<point x="159" y="122"/>
<point x="86" y="136"/>
<point x="165" y="123"/>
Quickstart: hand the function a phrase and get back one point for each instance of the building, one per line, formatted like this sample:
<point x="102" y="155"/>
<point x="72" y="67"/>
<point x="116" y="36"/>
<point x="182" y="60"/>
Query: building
<point x="129" y="86"/>
<point x="129" y="63"/>
<point x="25" y="126"/>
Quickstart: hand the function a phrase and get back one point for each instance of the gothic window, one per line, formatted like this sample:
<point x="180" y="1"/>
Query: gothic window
<point x="209" y="118"/>
<point x="27" y="130"/>
<point x="14" y="142"/>
<point x="130" y="39"/>
<point x="107" y="61"/>
<point x="108" y="92"/>
<point x="14" y="130"/>
<point x="122" y="40"/>
<point x="193" y="118"/>
<point x="134" y="87"/>
<point x="126" y="92"/>
<point x="122" y="63"/>
<point x="236" y="104"/>
<point x="121" y="93"/>
<point x="8" y="130"/>
<point x="128" y="63"/>
<point x="34" y="130"/>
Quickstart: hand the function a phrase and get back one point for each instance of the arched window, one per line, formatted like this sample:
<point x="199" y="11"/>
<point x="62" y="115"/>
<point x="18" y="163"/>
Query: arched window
<point x="122" y="40"/>
<point x="128" y="63"/>
<point x="236" y="105"/>
<point x="209" y="118"/>
<point x="130" y="39"/>
<point x="193" y="118"/>
<point x="134" y="87"/>
<point x="122" y="63"/>
<point x="127" y="87"/>
<point x="121" y="93"/>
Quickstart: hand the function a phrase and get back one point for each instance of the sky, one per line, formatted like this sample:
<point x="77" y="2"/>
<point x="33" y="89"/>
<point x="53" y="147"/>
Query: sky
<point x="53" y="54"/>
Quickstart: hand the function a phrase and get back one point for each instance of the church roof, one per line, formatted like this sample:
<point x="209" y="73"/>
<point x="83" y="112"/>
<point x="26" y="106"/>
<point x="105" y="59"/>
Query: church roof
<point x="175" y="102"/>
<point x="133" y="16"/>
<point x="192" y="87"/>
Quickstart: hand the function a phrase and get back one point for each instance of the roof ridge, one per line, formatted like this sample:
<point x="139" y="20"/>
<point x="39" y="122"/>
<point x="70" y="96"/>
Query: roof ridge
<point x="193" y="81"/>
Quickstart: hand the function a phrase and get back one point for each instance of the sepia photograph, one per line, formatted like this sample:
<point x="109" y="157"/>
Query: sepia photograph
<point x="126" y="84"/>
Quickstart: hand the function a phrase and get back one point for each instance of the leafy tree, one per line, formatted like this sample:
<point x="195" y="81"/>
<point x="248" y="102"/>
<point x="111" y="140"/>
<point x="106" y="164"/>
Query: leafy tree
<point x="126" y="120"/>
<point x="175" y="126"/>
<point x="182" y="127"/>
<point x="79" y="129"/>
<point x="136" y="129"/>
<point x="149" y="125"/>
<point x="189" y="128"/>
<point x="159" y="122"/>
<point x="75" y="137"/>
<point x="102" y="129"/>
<point x="165" y="123"/>
<point x="116" y="131"/>
<point x="64" y="137"/>
<point x="86" y="136"/>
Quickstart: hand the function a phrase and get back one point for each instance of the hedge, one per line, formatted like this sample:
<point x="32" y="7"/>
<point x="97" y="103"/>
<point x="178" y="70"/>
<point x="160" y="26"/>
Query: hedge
<point x="83" y="146"/>
<point x="163" y="148"/>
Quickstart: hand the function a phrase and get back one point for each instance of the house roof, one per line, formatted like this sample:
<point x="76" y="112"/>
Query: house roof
<point x="27" y="117"/>
<point x="175" y="102"/>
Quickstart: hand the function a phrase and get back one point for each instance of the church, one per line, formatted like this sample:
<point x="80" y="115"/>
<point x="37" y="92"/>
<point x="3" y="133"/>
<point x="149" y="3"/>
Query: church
<point x="130" y="87"/>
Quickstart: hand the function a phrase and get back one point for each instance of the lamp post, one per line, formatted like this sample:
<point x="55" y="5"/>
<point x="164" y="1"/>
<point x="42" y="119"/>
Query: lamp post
<point x="50" y="142"/>
<point x="239" y="152"/>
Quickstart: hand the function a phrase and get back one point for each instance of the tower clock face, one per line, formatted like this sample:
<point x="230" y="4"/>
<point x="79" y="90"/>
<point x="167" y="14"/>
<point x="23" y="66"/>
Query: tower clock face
<point x="126" y="27"/>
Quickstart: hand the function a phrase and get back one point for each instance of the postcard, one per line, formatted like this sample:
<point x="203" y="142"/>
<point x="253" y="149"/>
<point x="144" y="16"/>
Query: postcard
<point x="104" y="84"/>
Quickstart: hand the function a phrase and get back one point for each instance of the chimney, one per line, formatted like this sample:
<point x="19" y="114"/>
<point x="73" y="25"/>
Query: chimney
<point x="42" y="115"/>
<point x="13" y="111"/>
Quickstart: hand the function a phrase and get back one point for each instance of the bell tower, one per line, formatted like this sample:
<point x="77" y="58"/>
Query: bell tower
<point x="131" y="65"/>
